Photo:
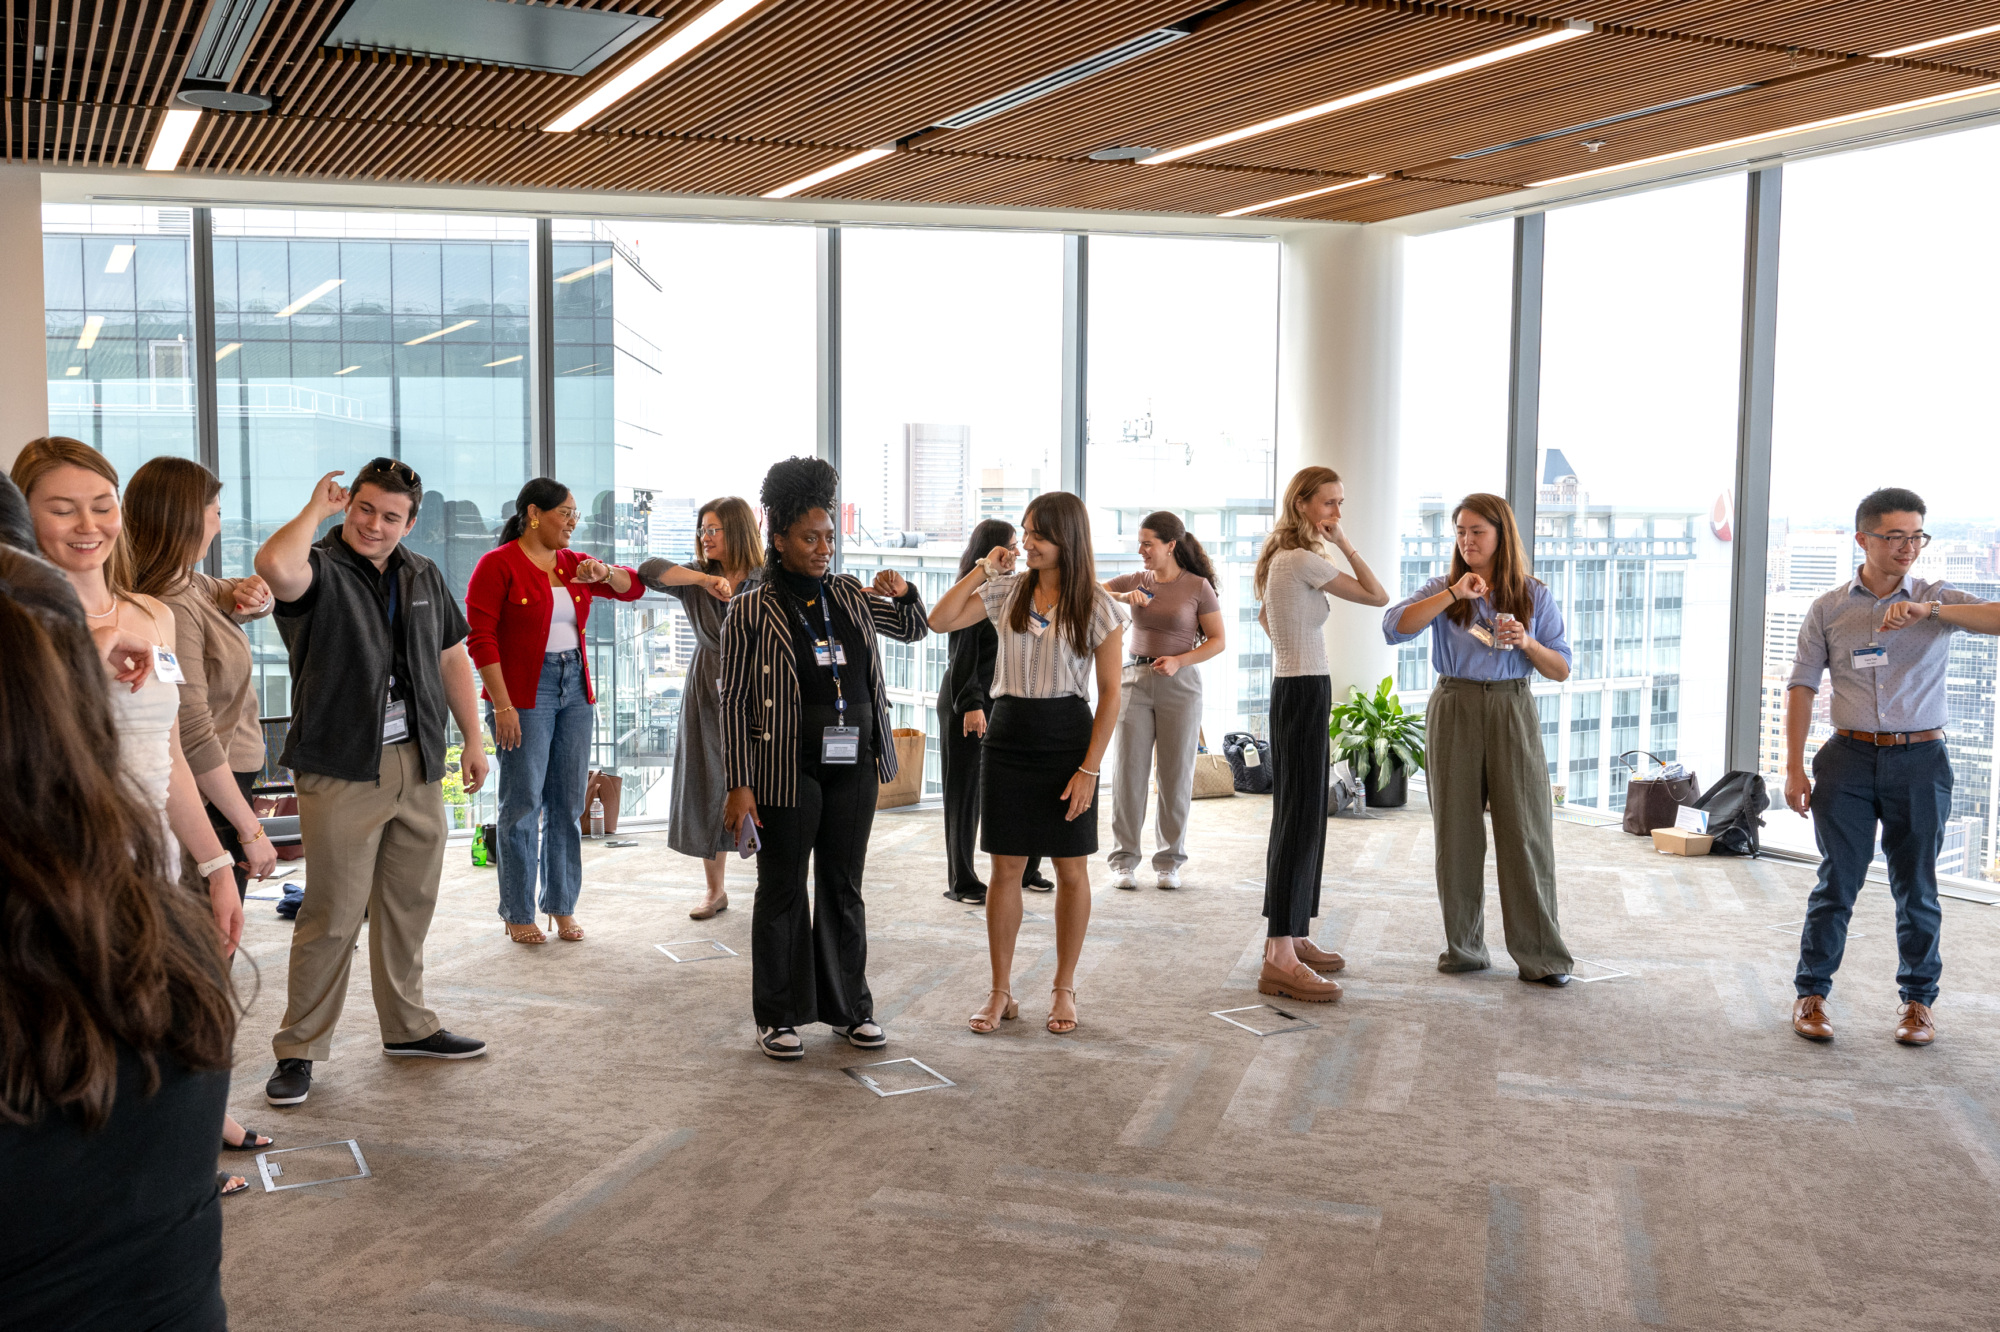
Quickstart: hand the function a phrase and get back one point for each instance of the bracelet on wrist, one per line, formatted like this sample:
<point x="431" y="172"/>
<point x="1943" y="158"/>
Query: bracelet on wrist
<point x="208" y="867"/>
<point x="253" y="837"/>
<point x="509" y="708"/>
<point x="1088" y="772"/>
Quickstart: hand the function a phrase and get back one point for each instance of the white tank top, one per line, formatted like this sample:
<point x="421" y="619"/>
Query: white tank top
<point x="562" y="622"/>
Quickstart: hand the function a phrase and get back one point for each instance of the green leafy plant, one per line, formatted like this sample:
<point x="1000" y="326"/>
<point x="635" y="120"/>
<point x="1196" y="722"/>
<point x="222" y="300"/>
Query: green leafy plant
<point x="1370" y="730"/>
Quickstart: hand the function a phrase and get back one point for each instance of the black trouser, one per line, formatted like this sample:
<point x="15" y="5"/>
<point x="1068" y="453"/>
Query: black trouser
<point x="225" y="830"/>
<point x="1300" y="705"/>
<point x="811" y="967"/>
<point x="958" y="762"/>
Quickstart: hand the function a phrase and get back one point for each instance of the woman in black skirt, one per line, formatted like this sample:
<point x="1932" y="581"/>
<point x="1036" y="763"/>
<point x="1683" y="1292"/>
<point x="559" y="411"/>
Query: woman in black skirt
<point x="964" y="705"/>
<point x="1057" y="629"/>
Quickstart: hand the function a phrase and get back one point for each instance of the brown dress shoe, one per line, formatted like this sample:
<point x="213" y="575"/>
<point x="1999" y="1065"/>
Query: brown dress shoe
<point x="1316" y="957"/>
<point x="1301" y="983"/>
<point x="1809" y="1018"/>
<point x="1913" y="1024"/>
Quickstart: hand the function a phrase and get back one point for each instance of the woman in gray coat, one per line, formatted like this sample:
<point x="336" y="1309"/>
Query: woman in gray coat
<point x="730" y="560"/>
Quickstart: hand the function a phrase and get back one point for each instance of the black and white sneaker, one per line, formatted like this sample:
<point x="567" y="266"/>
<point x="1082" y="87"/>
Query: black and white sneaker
<point x="866" y="1034"/>
<point x="780" y="1043"/>
<point x="438" y="1045"/>
<point x="291" y="1084"/>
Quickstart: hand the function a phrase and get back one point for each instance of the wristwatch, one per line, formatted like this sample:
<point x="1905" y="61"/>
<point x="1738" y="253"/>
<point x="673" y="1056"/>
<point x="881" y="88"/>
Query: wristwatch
<point x="1937" y="609"/>
<point x="208" y="867"/>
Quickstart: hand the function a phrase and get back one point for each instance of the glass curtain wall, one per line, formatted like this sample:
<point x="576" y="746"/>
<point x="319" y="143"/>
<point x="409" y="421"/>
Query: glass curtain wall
<point x="118" y="292"/>
<point x="1640" y="365"/>
<point x="951" y="406"/>
<point x="1182" y="401"/>
<point x="1458" y="300"/>
<point x="684" y="367"/>
<point x="1884" y="378"/>
<point x="341" y="337"/>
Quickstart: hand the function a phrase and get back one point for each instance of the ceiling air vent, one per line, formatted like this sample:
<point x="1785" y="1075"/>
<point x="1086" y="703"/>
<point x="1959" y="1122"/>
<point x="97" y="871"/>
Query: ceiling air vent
<point x="1062" y="78"/>
<point x="224" y="40"/>
<point x="551" y="38"/>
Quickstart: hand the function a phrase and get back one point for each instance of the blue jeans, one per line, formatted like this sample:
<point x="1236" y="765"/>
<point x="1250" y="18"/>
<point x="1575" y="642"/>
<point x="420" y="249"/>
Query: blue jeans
<point x="545" y="775"/>
<point x="1907" y="788"/>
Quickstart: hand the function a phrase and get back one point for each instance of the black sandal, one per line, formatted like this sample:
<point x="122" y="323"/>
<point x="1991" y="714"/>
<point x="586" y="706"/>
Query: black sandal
<point x="222" y="1178"/>
<point x="249" y="1143"/>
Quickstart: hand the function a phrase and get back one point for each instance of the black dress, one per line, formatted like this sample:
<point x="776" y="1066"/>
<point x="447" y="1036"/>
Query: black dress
<point x="119" y="1229"/>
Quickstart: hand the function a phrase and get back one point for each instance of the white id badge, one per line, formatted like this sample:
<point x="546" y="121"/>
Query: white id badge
<point x="395" y="722"/>
<point x="1251" y="758"/>
<point x="1038" y="623"/>
<point x="840" y="744"/>
<point x="166" y="667"/>
<point x="826" y="656"/>
<point x="1870" y="658"/>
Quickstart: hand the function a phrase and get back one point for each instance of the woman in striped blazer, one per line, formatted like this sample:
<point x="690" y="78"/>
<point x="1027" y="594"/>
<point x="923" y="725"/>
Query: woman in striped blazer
<point x="805" y="744"/>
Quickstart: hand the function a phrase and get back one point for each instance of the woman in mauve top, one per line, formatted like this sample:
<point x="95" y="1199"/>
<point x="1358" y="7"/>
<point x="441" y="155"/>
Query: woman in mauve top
<point x="527" y="605"/>
<point x="1176" y="625"/>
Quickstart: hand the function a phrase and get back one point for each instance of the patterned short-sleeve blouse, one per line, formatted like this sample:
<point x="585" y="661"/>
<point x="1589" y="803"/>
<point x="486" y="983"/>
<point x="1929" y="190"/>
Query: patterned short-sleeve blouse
<point x="1031" y="665"/>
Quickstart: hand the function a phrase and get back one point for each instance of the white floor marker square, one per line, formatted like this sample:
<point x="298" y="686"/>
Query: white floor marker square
<point x="696" y="950"/>
<point x="1264" y="1020"/>
<point x="898" y="1077"/>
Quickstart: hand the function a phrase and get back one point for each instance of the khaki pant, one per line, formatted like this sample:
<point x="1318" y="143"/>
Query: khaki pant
<point x="1486" y="745"/>
<point x="1159" y="721"/>
<point x="374" y="847"/>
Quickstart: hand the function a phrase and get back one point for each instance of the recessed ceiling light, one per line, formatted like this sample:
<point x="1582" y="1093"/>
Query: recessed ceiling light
<point x="348" y="371"/>
<point x="1309" y="194"/>
<point x="1956" y="37"/>
<point x="505" y="360"/>
<point x="74" y="370"/>
<point x="576" y="275"/>
<point x="88" y="338"/>
<point x="227" y="348"/>
<point x="120" y="259"/>
<point x="453" y="328"/>
<point x="677" y="45"/>
<point x="840" y="168"/>
<point x="311" y="296"/>
<point x="1571" y="30"/>
<point x="171" y="139"/>
<point x="1122" y="154"/>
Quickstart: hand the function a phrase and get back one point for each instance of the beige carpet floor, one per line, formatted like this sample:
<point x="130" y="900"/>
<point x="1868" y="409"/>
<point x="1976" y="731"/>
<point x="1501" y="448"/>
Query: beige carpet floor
<point x="1651" y="1150"/>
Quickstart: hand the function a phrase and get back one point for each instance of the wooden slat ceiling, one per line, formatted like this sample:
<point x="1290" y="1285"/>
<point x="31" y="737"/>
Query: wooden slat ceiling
<point x="800" y="84"/>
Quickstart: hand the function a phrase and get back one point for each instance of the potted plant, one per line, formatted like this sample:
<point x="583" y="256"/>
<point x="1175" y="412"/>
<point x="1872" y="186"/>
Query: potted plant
<point x="1381" y="742"/>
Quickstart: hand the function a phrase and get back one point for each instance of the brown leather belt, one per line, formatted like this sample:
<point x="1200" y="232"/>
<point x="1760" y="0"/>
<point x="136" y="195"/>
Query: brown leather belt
<point x="1885" y="738"/>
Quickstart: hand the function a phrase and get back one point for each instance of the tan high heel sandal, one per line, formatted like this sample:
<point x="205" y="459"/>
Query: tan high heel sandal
<point x="1062" y="1026"/>
<point x="529" y="934"/>
<point x="570" y="932"/>
<point x="1007" y="1014"/>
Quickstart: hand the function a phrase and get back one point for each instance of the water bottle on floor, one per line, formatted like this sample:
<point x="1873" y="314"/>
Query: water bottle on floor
<point x="596" y="817"/>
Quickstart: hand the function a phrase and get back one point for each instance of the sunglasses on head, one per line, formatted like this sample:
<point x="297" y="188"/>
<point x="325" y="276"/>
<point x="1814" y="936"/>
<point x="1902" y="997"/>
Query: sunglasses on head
<point x="393" y="466"/>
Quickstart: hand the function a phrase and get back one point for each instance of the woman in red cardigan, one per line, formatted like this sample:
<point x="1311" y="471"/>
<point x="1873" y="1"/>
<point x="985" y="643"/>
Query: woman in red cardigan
<point x="527" y="604"/>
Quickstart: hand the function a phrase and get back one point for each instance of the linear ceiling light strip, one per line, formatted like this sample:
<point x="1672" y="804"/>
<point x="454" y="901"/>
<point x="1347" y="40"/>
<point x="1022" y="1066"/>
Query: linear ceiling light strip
<point x="171" y="139"/>
<point x="1827" y="123"/>
<point x="1620" y="119"/>
<point x="1568" y="32"/>
<point x="1144" y="44"/>
<point x="1955" y="38"/>
<point x="677" y="46"/>
<point x="826" y="173"/>
<point x="1309" y="194"/>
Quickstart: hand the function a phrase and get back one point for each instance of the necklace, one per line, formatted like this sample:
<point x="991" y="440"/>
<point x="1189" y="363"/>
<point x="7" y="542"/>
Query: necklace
<point x="1036" y="600"/>
<point x="104" y="615"/>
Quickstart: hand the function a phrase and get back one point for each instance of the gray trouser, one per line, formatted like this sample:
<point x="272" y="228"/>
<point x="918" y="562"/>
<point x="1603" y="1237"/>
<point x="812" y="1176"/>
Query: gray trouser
<point x="1486" y="745"/>
<point x="1159" y="717"/>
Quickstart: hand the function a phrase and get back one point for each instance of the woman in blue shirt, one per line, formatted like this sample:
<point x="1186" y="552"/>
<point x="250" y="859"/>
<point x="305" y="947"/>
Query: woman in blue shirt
<point x="1492" y="625"/>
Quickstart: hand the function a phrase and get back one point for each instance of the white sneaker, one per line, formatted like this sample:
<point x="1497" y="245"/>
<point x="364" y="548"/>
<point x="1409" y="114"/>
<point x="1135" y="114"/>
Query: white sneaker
<point x="1123" y="879"/>
<point x="1170" y="878"/>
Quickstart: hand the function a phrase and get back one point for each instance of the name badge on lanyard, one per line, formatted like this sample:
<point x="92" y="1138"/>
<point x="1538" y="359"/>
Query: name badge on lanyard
<point x="395" y="718"/>
<point x="839" y="743"/>
<point x="830" y="656"/>
<point x="1038" y="623"/>
<point x="166" y="667"/>
<point x="1870" y="658"/>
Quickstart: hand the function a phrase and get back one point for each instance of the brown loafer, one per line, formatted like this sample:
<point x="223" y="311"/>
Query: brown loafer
<point x="1809" y="1018"/>
<point x="1301" y="983"/>
<point x="1913" y="1024"/>
<point x="1316" y="957"/>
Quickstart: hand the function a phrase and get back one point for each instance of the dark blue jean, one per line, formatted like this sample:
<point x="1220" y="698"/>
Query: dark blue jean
<point x="542" y="782"/>
<point x="1907" y="789"/>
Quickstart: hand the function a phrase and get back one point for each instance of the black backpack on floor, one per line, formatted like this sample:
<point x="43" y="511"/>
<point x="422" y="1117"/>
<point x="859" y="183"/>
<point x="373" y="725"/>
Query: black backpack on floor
<point x="1734" y="807"/>
<point x="1249" y="762"/>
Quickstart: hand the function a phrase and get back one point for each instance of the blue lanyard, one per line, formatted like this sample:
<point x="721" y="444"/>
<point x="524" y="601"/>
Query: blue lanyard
<point x="832" y="651"/>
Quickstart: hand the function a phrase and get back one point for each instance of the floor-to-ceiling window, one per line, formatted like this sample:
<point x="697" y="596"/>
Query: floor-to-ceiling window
<point x="1182" y="400"/>
<point x="119" y="300"/>
<point x="1642" y="305"/>
<point x="1457" y="308"/>
<point x="951" y="404"/>
<point x="1886" y="355"/>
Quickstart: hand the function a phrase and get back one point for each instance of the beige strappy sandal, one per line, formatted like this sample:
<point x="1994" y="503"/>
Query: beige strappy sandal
<point x="1007" y="1014"/>
<point x="1062" y="1026"/>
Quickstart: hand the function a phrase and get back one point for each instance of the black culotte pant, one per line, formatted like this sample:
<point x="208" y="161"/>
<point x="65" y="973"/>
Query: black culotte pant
<point x="1296" y="853"/>
<point x="810" y="965"/>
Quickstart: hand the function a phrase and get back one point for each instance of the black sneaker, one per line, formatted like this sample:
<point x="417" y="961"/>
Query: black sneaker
<point x="291" y="1083"/>
<point x="438" y="1045"/>
<point x="780" y="1043"/>
<point x="969" y="898"/>
<point x="866" y="1034"/>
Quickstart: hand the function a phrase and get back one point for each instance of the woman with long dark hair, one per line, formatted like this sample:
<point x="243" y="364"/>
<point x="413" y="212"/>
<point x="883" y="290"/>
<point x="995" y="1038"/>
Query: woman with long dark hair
<point x="1059" y="632"/>
<point x="730" y="560"/>
<point x="116" y="1016"/>
<point x="964" y="704"/>
<point x="1296" y="583"/>
<point x="1176" y="625"/>
<point x="1492" y="623"/>
<point x="806" y="745"/>
<point x="528" y="604"/>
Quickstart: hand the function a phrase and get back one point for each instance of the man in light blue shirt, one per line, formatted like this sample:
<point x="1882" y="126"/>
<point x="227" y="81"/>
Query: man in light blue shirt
<point x="1885" y="639"/>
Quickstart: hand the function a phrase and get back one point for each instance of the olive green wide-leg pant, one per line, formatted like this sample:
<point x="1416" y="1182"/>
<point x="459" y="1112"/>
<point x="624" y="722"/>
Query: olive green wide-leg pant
<point x="1485" y="744"/>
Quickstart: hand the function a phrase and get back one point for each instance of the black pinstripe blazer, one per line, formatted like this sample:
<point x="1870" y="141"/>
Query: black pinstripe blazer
<point x="760" y="683"/>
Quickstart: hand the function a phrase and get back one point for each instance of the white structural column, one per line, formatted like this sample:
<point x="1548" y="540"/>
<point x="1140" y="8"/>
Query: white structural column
<point x="24" y="353"/>
<point x="1339" y="378"/>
